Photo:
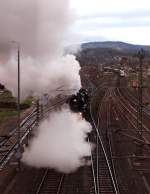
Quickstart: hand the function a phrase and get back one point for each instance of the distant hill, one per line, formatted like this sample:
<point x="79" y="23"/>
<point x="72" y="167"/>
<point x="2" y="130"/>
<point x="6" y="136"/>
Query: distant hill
<point x="94" y="53"/>
<point x="120" y="46"/>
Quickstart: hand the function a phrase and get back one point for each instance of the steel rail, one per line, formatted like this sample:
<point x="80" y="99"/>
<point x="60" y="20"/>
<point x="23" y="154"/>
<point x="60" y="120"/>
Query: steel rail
<point x="27" y="125"/>
<point x="13" y="149"/>
<point x="133" y="115"/>
<point x="43" y="180"/>
<point x="10" y="140"/>
<point x="97" y="143"/>
<point x="110" y="150"/>
<point x="24" y="121"/>
<point x="54" y="106"/>
<point x="145" y="111"/>
<point x="109" y="94"/>
<point x="97" y="165"/>
<point x="135" y="127"/>
<point x="93" y="171"/>
<point x="60" y="184"/>
<point x="5" y="140"/>
<point x="138" y="141"/>
<point x="105" y="154"/>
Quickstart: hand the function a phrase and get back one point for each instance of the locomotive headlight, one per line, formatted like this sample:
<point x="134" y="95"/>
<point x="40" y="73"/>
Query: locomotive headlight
<point x="80" y="113"/>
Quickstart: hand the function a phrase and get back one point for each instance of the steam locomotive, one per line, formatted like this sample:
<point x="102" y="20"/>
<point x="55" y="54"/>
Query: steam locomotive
<point x="79" y="102"/>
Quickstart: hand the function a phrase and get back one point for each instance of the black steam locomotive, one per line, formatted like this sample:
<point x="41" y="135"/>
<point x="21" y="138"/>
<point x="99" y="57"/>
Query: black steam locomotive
<point x="79" y="102"/>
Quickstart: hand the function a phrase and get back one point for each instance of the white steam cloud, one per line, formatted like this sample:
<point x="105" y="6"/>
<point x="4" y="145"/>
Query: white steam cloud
<point x="60" y="143"/>
<point x="45" y="78"/>
<point x="39" y="26"/>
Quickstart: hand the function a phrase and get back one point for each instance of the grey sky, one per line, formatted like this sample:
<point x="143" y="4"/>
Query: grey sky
<point x="127" y="21"/>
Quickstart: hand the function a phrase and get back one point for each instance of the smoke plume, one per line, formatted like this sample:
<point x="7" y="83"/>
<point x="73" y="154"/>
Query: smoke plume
<point x="39" y="27"/>
<point x="59" y="143"/>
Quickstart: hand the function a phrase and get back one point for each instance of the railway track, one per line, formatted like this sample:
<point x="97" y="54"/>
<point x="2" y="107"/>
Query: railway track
<point x="99" y="176"/>
<point x="133" y="101"/>
<point x="122" y="135"/>
<point x="9" y="143"/>
<point x="117" y="128"/>
<point x="130" y="112"/>
<point x="105" y="172"/>
<point x="111" y="123"/>
<point x="50" y="183"/>
<point x="129" y="105"/>
<point x="79" y="182"/>
<point x="133" y="148"/>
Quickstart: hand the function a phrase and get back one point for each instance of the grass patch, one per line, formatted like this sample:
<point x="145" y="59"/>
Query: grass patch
<point x="28" y="101"/>
<point x="6" y="96"/>
<point x="7" y="113"/>
<point x="8" y="107"/>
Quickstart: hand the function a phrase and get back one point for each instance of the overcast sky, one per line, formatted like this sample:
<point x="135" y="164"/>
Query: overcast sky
<point x="120" y="20"/>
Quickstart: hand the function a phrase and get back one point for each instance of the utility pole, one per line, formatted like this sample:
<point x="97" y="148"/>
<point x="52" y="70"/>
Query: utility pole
<point x="18" y="154"/>
<point x="118" y="78"/>
<point x="141" y="55"/>
<point x="18" y="107"/>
